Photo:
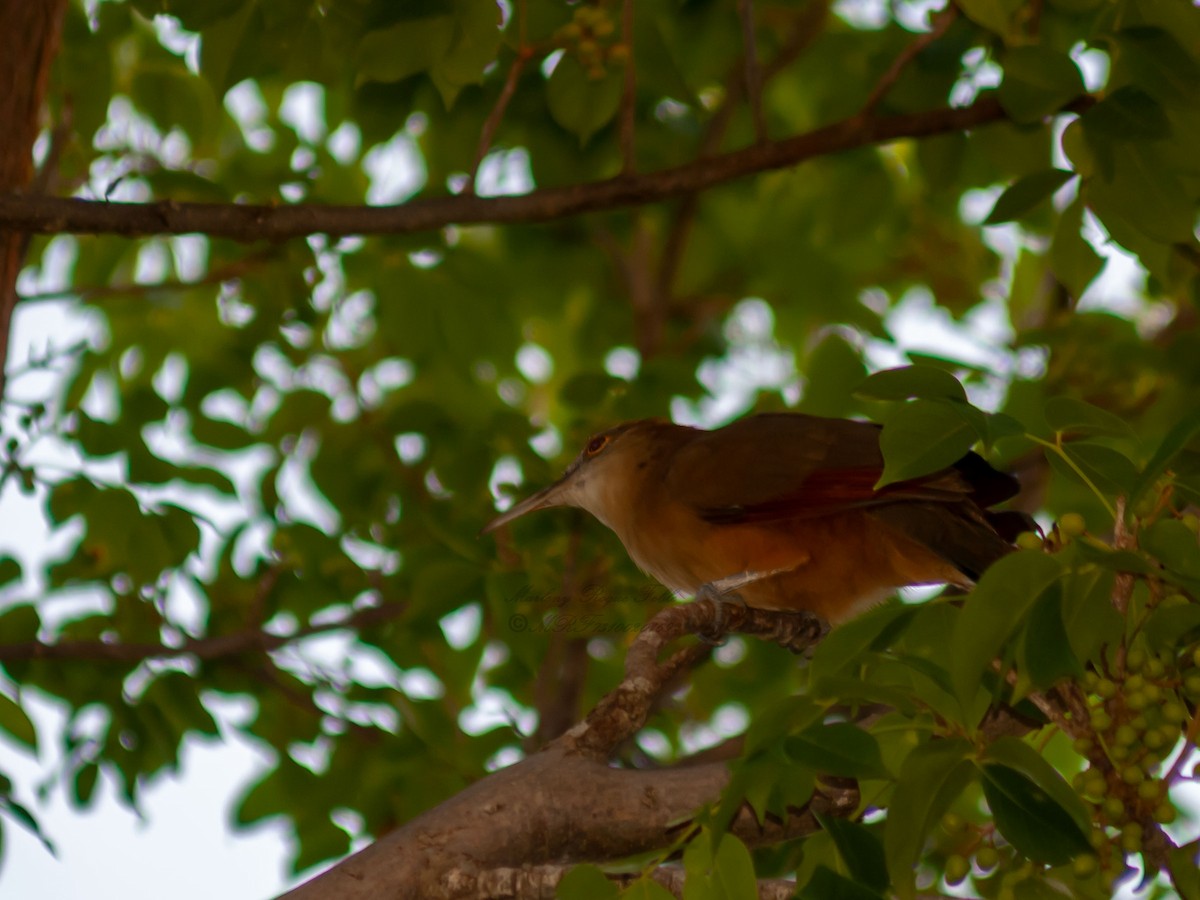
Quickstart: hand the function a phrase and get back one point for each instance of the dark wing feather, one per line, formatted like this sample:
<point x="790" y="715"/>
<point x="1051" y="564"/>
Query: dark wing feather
<point x="789" y="465"/>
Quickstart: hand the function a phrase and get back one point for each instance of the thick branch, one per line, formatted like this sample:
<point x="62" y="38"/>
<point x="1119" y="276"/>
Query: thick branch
<point x="29" y="35"/>
<point x="47" y="215"/>
<point x="566" y="804"/>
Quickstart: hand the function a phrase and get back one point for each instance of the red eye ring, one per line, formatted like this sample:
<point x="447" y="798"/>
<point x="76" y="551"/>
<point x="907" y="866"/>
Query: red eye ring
<point x="596" y="444"/>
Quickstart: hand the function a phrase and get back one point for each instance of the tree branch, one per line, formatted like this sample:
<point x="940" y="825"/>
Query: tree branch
<point x="566" y="804"/>
<point x="52" y="215"/>
<point x="941" y="22"/>
<point x="541" y="883"/>
<point x="29" y="38"/>
<point x="207" y="648"/>
<point x="752" y="73"/>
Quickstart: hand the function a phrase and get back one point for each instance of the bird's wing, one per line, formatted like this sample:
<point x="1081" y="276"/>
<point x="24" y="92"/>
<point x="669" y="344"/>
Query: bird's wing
<point x="788" y="465"/>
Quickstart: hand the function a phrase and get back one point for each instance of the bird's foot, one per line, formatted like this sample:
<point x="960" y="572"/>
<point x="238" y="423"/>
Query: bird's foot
<point x="723" y="595"/>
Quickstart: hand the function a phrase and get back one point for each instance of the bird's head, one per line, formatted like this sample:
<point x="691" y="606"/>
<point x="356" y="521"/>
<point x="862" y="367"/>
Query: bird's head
<point x="601" y="477"/>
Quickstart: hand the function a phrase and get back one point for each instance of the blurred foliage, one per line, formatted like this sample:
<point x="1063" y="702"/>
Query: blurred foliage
<point x="272" y="440"/>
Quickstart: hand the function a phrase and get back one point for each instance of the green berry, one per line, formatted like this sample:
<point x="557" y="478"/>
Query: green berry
<point x="1119" y="752"/>
<point x="1100" y="720"/>
<point x="987" y="858"/>
<point x="1196" y="657"/>
<point x="1154" y="740"/>
<point x="1135" y="659"/>
<point x="1136" y="700"/>
<point x="1135" y="683"/>
<point x="1085" y="866"/>
<point x="1125" y="735"/>
<point x="1153" y="693"/>
<point x="1095" y="786"/>
<point x="1191" y="685"/>
<point x="1029" y="540"/>
<point x="1191" y="522"/>
<point x="1156" y="668"/>
<point x="1083" y="746"/>
<point x="957" y="869"/>
<point x="1165" y="813"/>
<point x="1132" y="775"/>
<point x="1149" y="790"/>
<point x="953" y="822"/>
<point x="1174" y="711"/>
<point x="1106" y="688"/>
<point x="1114" y="809"/>
<point x="1072" y="524"/>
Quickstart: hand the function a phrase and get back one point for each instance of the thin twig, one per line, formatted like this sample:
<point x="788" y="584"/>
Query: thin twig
<point x="229" y="272"/>
<point x="803" y="32"/>
<point x="941" y="22"/>
<point x="492" y="123"/>
<point x="752" y="72"/>
<point x="629" y="93"/>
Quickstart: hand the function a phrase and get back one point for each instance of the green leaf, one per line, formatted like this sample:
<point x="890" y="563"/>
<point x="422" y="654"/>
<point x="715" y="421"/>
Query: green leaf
<point x="1029" y="818"/>
<point x="906" y="382"/>
<point x="15" y="722"/>
<point x="733" y="869"/>
<point x="923" y="436"/>
<point x="84" y="783"/>
<point x="579" y="103"/>
<point x="1026" y="194"/>
<point x="875" y="629"/>
<point x="586" y="882"/>
<point x="1180" y="435"/>
<point x="1045" y="655"/>
<point x="826" y="884"/>
<point x="25" y="818"/>
<point x="839" y="748"/>
<point x="1128" y="114"/>
<point x="719" y="867"/>
<point x="10" y="569"/>
<point x="860" y="849"/>
<point x="1073" y="260"/>
<point x="1019" y="756"/>
<point x="993" y="611"/>
<point x="1167" y="628"/>
<point x="1184" y="866"/>
<point x="1161" y="66"/>
<point x="994" y="15"/>
<point x="1111" y="471"/>
<point x="932" y="777"/>
<point x="405" y="49"/>
<point x="1037" y="82"/>
<point x="1089" y="618"/>
<point x="1174" y="545"/>
<point x="19" y="624"/>
<point x="1068" y="415"/>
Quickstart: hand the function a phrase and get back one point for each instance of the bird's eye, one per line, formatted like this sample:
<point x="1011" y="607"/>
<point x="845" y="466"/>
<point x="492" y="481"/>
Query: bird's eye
<point x="596" y="444"/>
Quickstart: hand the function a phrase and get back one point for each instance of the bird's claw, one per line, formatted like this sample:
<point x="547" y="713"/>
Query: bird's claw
<point x="723" y="594"/>
<point x="717" y="633"/>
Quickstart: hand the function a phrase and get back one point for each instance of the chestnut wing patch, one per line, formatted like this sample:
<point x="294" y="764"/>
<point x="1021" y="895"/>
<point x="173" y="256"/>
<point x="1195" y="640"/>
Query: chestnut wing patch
<point x="830" y="491"/>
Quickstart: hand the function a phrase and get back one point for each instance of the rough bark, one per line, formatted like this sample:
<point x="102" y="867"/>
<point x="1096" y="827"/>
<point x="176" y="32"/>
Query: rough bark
<point x="29" y="36"/>
<point x="567" y="804"/>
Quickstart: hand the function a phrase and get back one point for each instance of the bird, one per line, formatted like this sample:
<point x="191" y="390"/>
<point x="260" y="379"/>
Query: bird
<point x="785" y="507"/>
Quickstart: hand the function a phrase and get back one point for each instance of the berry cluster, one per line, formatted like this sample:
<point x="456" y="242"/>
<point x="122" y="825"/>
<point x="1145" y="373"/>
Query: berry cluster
<point x="591" y="37"/>
<point x="1137" y="718"/>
